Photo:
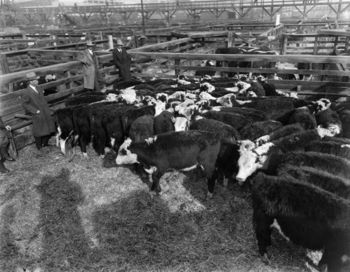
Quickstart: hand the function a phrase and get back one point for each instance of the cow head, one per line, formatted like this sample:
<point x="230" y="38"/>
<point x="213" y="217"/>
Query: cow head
<point x="125" y="155"/>
<point x="251" y="159"/>
<point x="181" y="123"/>
<point x="159" y="107"/>
<point x="207" y="87"/>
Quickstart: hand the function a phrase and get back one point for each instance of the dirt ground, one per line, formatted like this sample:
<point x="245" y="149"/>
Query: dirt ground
<point x="58" y="215"/>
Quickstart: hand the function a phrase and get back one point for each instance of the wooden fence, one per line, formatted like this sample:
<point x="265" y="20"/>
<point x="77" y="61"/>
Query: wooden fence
<point x="323" y="43"/>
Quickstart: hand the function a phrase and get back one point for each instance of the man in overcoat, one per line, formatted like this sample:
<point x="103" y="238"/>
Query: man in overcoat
<point x="122" y="61"/>
<point x="35" y="104"/>
<point x="90" y="69"/>
<point x="4" y="143"/>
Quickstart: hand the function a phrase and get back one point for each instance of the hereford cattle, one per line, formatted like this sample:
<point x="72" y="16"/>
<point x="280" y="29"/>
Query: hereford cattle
<point x="256" y="130"/>
<point x="235" y="120"/>
<point x="174" y="150"/>
<point x="142" y="128"/>
<point x="301" y="115"/>
<point x="330" y="147"/>
<point x="164" y="122"/>
<point x="226" y="132"/>
<point x="323" y="179"/>
<point x="329" y="119"/>
<point x="270" y="156"/>
<point x="322" y="223"/>
<point x="273" y="106"/>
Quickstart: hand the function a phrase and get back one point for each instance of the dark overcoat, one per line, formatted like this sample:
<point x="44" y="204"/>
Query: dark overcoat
<point x="122" y="61"/>
<point x="3" y="134"/>
<point x="90" y="70"/>
<point x="32" y="101"/>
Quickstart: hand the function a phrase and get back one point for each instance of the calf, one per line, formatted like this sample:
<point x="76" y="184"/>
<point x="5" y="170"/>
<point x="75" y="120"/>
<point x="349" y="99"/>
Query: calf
<point x="324" y="223"/>
<point x="174" y="150"/>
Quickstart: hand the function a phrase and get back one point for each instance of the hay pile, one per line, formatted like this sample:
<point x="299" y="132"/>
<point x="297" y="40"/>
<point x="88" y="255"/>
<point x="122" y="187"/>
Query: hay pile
<point x="89" y="218"/>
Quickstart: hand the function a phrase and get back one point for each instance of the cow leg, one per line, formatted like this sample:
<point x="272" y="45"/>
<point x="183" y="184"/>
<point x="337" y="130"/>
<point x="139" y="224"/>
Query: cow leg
<point x="331" y="257"/>
<point x="211" y="183"/>
<point x="155" y="182"/>
<point x="262" y="223"/>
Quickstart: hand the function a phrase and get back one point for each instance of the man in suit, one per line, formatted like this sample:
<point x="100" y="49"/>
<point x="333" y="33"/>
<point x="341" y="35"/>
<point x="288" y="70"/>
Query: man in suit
<point x="35" y="104"/>
<point x="122" y="61"/>
<point x="90" y="68"/>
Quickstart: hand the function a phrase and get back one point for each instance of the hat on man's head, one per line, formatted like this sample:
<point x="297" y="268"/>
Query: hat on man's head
<point x="89" y="43"/>
<point x="119" y="42"/>
<point x="31" y="76"/>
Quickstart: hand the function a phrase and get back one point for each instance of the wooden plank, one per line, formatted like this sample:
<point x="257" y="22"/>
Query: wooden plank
<point x="160" y="46"/>
<point x="263" y="70"/>
<point x="7" y="78"/>
<point x="247" y="57"/>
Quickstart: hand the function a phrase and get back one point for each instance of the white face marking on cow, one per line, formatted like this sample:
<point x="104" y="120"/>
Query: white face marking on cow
<point x="262" y="140"/>
<point x="181" y="123"/>
<point x="251" y="159"/>
<point x="322" y="132"/>
<point x="206" y="96"/>
<point x="209" y="88"/>
<point x="159" y="108"/>
<point x="322" y="104"/>
<point x="124" y="154"/>
<point x="335" y="129"/>
<point x="112" y="97"/>
<point x="128" y="95"/>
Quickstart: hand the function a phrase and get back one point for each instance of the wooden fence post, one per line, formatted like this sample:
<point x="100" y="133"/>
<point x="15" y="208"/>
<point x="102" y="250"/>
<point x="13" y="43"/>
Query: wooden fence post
<point x="177" y="70"/>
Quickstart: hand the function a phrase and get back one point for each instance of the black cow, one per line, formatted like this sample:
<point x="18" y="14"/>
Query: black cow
<point x="226" y="132"/>
<point x="235" y="120"/>
<point x="174" y="150"/>
<point x="330" y="147"/>
<point x="301" y="115"/>
<point x="323" y="223"/>
<point x="142" y="128"/>
<point x="329" y="182"/>
<point x="257" y="129"/>
<point x="164" y="122"/>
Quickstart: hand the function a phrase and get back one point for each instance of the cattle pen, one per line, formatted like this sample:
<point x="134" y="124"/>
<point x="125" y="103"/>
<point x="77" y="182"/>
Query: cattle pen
<point x="79" y="213"/>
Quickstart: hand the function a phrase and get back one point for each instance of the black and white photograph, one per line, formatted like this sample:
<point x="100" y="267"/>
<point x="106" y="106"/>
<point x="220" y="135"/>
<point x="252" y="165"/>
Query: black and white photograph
<point x="174" y="136"/>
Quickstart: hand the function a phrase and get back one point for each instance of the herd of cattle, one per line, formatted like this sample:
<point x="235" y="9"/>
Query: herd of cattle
<point x="294" y="154"/>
